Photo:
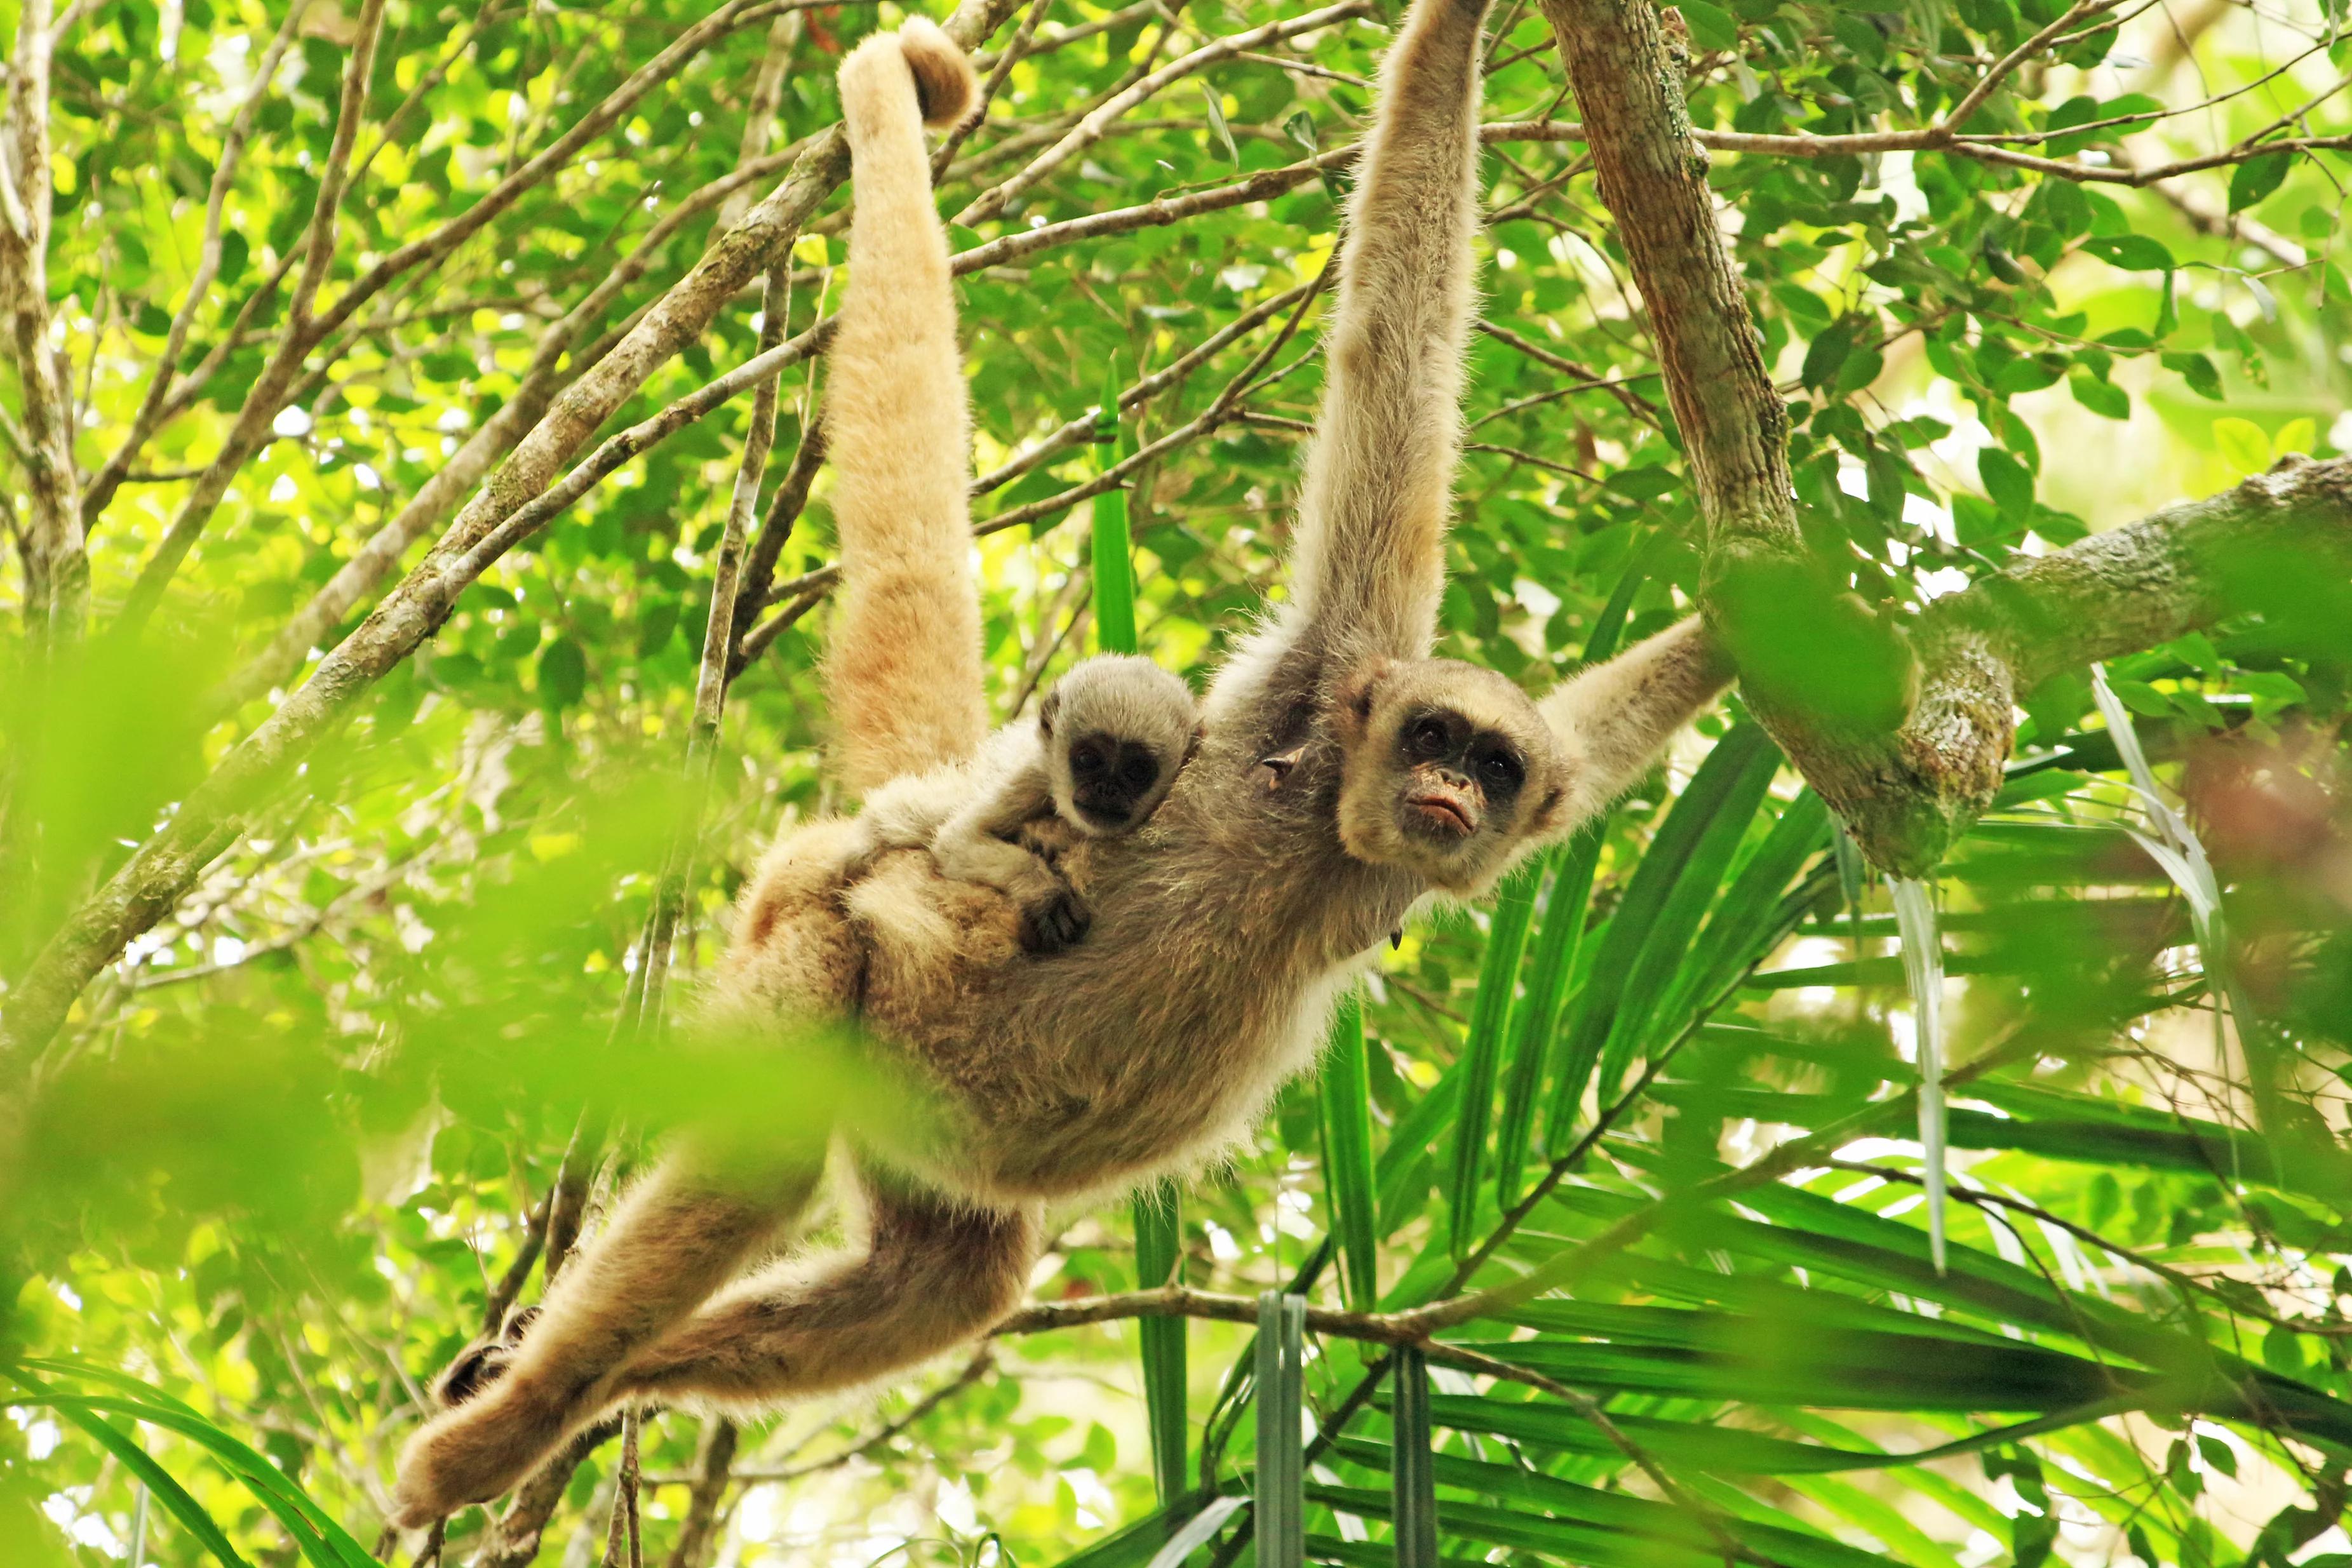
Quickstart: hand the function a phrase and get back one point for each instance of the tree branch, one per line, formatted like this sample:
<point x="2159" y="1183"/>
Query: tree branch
<point x="1090" y="130"/>
<point x="56" y="560"/>
<point x="1904" y="736"/>
<point x="152" y="407"/>
<point x="263" y="403"/>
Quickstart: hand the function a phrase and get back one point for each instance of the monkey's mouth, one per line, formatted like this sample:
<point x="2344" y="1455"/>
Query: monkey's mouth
<point x="1108" y="818"/>
<point x="1441" y="815"/>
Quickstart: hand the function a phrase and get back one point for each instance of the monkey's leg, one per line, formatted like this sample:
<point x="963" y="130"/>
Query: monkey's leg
<point x="676" y="1238"/>
<point x="904" y="664"/>
<point x="932" y="1274"/>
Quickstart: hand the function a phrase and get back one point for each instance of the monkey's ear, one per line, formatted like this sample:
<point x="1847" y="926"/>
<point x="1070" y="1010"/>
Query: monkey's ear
<point x="1356" y="694"/>
<point x="1551" y="815"/>
<point x="1048" y="711"/>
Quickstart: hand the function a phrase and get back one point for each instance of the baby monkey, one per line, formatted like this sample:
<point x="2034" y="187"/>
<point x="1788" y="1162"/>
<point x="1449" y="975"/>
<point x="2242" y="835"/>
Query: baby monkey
<point x="1107" y="746"/>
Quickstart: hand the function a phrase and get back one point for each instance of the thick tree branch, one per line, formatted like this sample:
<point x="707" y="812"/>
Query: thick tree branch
<point x="1904" y="737"/>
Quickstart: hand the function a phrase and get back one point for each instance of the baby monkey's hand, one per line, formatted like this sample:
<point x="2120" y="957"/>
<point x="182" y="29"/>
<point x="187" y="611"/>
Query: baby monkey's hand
<point x="1054" y="919"/>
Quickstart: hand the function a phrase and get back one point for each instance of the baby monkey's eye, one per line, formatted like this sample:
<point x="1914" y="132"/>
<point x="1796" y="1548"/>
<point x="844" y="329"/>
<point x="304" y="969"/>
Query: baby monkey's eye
<point x="1500" y="769"/>
<point x="1139" y="772"/>
<point x="1087" y="757"/>
<point x="1427" y="737"/>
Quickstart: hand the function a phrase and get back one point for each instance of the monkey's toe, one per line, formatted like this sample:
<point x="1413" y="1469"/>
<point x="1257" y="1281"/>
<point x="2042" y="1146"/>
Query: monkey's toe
<point x="1055" y="922"/>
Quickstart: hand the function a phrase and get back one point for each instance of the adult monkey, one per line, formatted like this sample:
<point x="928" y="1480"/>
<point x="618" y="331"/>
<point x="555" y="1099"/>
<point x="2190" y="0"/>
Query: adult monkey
<point x="1343" y="775"/>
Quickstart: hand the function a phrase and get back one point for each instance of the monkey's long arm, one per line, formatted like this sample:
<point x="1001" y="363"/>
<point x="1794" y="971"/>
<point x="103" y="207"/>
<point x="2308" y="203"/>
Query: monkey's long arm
<point x="904" y="665"/>
<point x="1371" y="560"/>
<point x="975" y="844"/>
<point x="1612" y="718"/>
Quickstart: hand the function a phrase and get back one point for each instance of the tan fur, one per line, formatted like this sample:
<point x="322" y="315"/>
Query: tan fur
<point x="945" y="87"/>
<point x="971" y="815"/>
<point x="1223" y="929"/>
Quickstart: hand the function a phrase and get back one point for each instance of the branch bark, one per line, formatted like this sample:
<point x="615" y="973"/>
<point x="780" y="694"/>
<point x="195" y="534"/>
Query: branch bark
<point x="1904" y="731"/>
<point x="56" y="561"/>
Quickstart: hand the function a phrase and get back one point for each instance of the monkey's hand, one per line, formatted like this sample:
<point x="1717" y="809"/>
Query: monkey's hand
<point x="1052" y="915"/>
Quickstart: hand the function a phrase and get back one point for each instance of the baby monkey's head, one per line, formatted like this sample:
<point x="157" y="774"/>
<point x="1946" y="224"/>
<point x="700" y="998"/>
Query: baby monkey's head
<point x="1447" y="770"/>
<point x="1116" y="729"/>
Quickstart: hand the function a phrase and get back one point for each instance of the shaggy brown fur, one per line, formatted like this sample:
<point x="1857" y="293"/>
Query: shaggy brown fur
<point x="1223" y="929"/>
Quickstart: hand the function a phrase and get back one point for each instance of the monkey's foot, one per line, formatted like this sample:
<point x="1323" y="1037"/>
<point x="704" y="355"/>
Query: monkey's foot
<point x="1054" y="920"/>
<point x="482" y="1362"/>
<point x="477" y="1451"/>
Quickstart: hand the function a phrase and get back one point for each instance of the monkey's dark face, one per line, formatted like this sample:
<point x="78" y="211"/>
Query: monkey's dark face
<point x="1113" y="782"/>
<point x="1447" y="770"/>
<point x="1456" y="774"/>
<point x="1116" y="728"/>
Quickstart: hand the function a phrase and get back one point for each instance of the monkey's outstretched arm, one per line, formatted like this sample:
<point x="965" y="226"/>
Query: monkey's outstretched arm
<point x="975" y="843"/>
<point x="1371" y="560"/>
<point x="904" y="665"/>
<point x="1612" y="718"/>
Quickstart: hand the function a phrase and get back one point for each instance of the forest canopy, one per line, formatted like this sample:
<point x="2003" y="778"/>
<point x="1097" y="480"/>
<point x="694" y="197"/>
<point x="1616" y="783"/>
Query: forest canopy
<point x="1911" y="1127"/>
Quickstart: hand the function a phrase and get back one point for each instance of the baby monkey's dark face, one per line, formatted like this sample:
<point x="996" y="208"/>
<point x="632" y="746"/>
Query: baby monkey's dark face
<point x="1114" y="781"/>
<point x="1116" y="729"/>
<point x="1448" y="769"/>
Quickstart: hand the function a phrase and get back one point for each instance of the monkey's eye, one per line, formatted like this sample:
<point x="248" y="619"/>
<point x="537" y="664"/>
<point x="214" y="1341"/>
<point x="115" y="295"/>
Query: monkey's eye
<point x="1500" y="770"/>
<point x="1087" y="758"/>
<point x="1427" y="737"/>
<point x="1138" y="773"/>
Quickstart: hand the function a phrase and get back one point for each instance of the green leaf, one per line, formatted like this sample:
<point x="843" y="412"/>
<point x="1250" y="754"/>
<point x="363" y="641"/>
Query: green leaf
<point x="1412" y="1462"/>
<point x="2197" y="370"/>
<point x="2131" y="252"/>
<point x="562" y="673"/>
<point x="1828" y="350"/>
<point x="2255" y="178"/>
<point x="1490" y="1014"/>
<point x="1712" y="29"/>
<point x="1158" y="1261"/>
<point x="2241" y="444"/>
<point x="1348" y="1158"/>
<point x="1217" y="125"/>
<point x="1280" y="1520"/>
<point x="1729" y="773"/>
<point x="2007" y="481"/>
<point x="1538" y="1016"/>
<point x="167" y="1491"/>
<point x="2104" y="399"/>
<point x="1114" y="565"/>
